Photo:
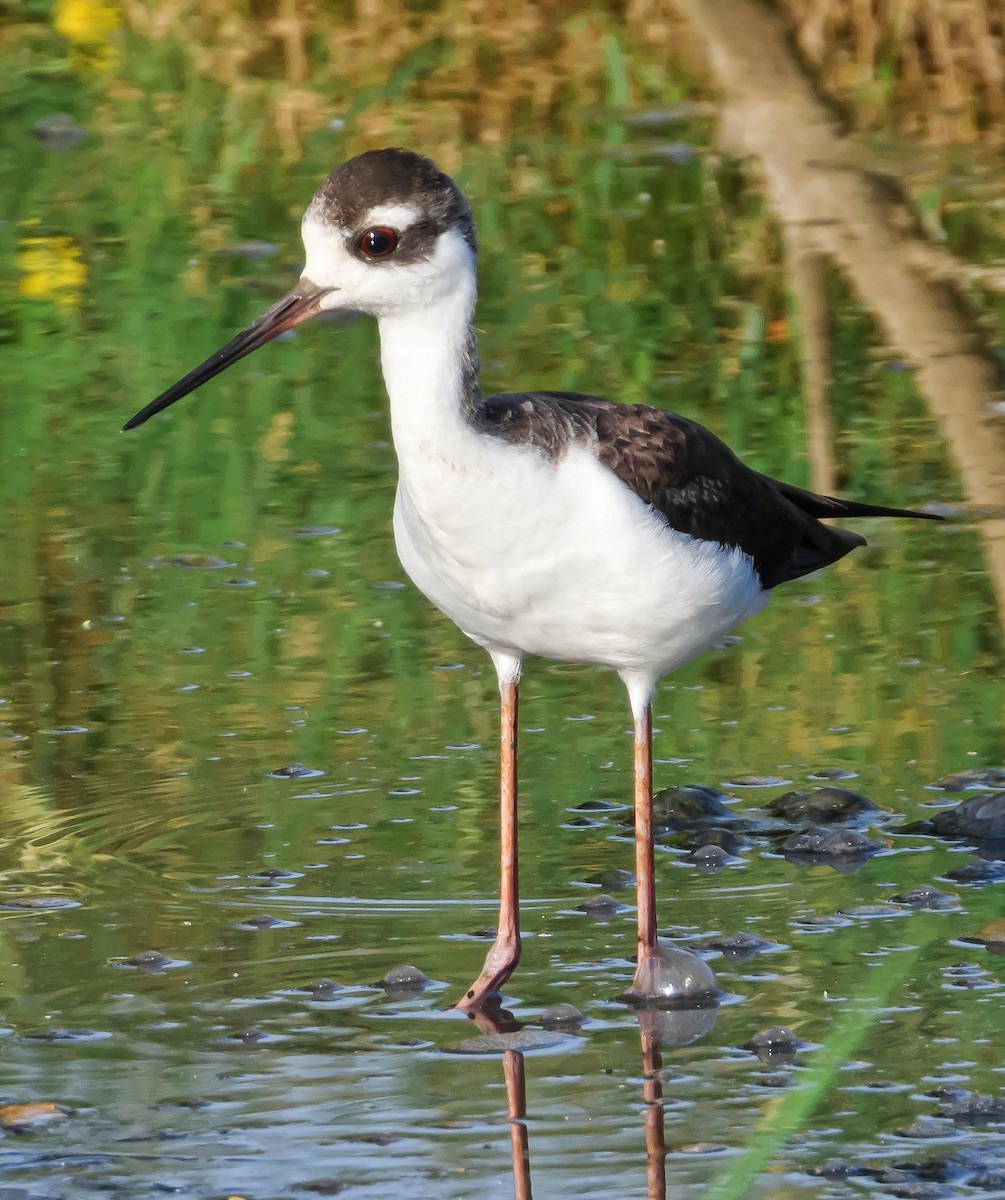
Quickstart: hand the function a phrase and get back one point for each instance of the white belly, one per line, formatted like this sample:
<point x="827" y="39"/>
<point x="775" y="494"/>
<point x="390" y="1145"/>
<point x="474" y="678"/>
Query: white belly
<point x="529" y="556"/>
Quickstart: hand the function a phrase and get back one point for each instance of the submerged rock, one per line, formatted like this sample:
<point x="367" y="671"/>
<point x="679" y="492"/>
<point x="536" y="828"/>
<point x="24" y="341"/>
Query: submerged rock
<point x="148" y="960"/>
<point x="262" y="921"/>
<point x="600" y="907"/>
<point x="710" y="858"/>
<point x="562" y="1017"/>
<point x="829" y="844"/>
<point x="728" y="840"/>
<point x="739" y="946"/>
<point x="980" y="818"/>
<point x="684" y="806"/>
<point x="775" y="1042"/>
<point x="926" y="896"/>
<point x="975" y="1109"/>
<point x="295" y="770"/>
<point x="824" y="806"/>
<point x="323" y="989"/>
<point x="992" y="777"/>
<point x="404" y="980"/>
<point x="978" y="871"/>
<point x="612" y="881"/>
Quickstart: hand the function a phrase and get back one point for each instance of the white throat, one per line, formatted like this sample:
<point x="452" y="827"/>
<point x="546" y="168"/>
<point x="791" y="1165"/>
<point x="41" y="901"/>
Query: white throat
<point x="425" y="355"/>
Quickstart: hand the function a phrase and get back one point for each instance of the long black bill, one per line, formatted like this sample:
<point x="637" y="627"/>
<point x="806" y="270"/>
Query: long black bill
<point x="302" y="302"/>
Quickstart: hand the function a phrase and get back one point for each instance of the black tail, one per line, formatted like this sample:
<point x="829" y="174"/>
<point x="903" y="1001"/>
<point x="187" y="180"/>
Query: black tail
<point x="830" y="506"/>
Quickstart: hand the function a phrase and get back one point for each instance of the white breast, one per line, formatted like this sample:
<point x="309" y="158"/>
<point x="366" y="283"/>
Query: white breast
<point x="561" y="559"/>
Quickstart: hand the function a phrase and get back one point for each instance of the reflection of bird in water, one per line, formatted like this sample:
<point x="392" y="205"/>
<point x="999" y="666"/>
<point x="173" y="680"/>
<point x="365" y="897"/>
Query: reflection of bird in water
<point x="503" y="1033"/>
<point x="541" y="522"/>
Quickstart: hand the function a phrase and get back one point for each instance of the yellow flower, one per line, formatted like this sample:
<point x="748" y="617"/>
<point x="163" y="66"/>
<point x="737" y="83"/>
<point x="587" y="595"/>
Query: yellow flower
<point x="90" y="22"/>
<point x="52" y="267"/>
<point x="90" y="26"/>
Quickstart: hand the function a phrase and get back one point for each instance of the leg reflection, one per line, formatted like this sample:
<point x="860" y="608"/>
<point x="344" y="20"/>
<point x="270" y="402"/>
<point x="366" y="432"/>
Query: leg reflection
<point x="659" y="1028"/>
<point x="492" y="1018"/>
<point x="516" y="1104"/>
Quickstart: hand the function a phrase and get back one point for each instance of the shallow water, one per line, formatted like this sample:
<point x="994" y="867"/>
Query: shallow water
<point x="190" y="609"/>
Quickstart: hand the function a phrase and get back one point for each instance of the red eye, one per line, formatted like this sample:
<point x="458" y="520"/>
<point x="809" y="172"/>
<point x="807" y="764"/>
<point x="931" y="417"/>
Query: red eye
<point x="378" y="242"/>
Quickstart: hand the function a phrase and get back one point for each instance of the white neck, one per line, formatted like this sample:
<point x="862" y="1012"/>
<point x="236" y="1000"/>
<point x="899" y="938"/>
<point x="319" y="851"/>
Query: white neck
<point x="425" y="356"/>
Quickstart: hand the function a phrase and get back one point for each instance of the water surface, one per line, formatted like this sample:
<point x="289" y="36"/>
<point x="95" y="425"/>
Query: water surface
<point x="190" y="609"/>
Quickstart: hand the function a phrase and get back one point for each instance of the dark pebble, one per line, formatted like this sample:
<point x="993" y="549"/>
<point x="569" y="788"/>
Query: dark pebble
<point x="926" y="896"/>
<point x="831" y="843"/>
<point x="989" y="1181"/>
<point x="776" y="1079"/>
<point x="249" y="1036"/>
<point x="273" y="873"/>
<point x="262" y="921"/>
<point x="993" y="777"/>
<point x="838" y="1169"/>
<point x="825" y="806"/>
<point x="923" y="1127"/>
<point x="601" y="907"/>
<point x="612" y="881"/>
<point x="199" y="562"/>
<point x="323" y="989"/>
<point x="148" y="960"/>
<point x="597" y="806"/>
<point x="38" y="903"/>
<point x="976" y="1109"/>
<point x="739" y="946"/>
<point x="295" y="771"/>
<point x="978" y="871"/>
<point x="773" y="1043"/>
<point x="324" y="1187"/>
<point x="696" y="839"/>
<point x="379" y="1139"/>
<point x="710" y="858"/>
<point x="684" y="806"/>
<point x="980" y="818"/>
<point x="404" y="978"/>
<point x="947" y="1091"/>
<point x="561" y="1017"/>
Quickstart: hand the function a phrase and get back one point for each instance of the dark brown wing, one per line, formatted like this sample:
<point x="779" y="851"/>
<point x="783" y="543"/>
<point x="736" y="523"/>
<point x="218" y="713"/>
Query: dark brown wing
<point x="689" y="476"/>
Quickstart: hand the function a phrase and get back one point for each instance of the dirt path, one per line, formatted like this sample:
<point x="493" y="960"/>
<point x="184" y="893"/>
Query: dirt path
<point x="769" y="111"/>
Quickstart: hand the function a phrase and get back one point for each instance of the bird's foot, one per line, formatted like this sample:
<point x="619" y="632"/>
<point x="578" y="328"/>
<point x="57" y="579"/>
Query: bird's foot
<point x="500" y="963"/>
<point x="667" y="976"/>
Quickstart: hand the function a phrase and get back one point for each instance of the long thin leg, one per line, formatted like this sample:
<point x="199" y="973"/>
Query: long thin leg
<point x="501" y="960"/>
<point x="648" y="968"/>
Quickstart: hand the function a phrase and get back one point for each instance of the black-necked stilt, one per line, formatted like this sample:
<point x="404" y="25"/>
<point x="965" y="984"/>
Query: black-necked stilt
<point x="540" y="522"/>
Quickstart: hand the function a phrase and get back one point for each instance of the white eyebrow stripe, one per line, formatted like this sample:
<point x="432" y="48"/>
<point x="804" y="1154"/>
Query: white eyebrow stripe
<point x="397" y="216"/>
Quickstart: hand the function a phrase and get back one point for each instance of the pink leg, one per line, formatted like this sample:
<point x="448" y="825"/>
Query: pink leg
<point x="501" y="960"/>
<point x="647" y="972"/>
